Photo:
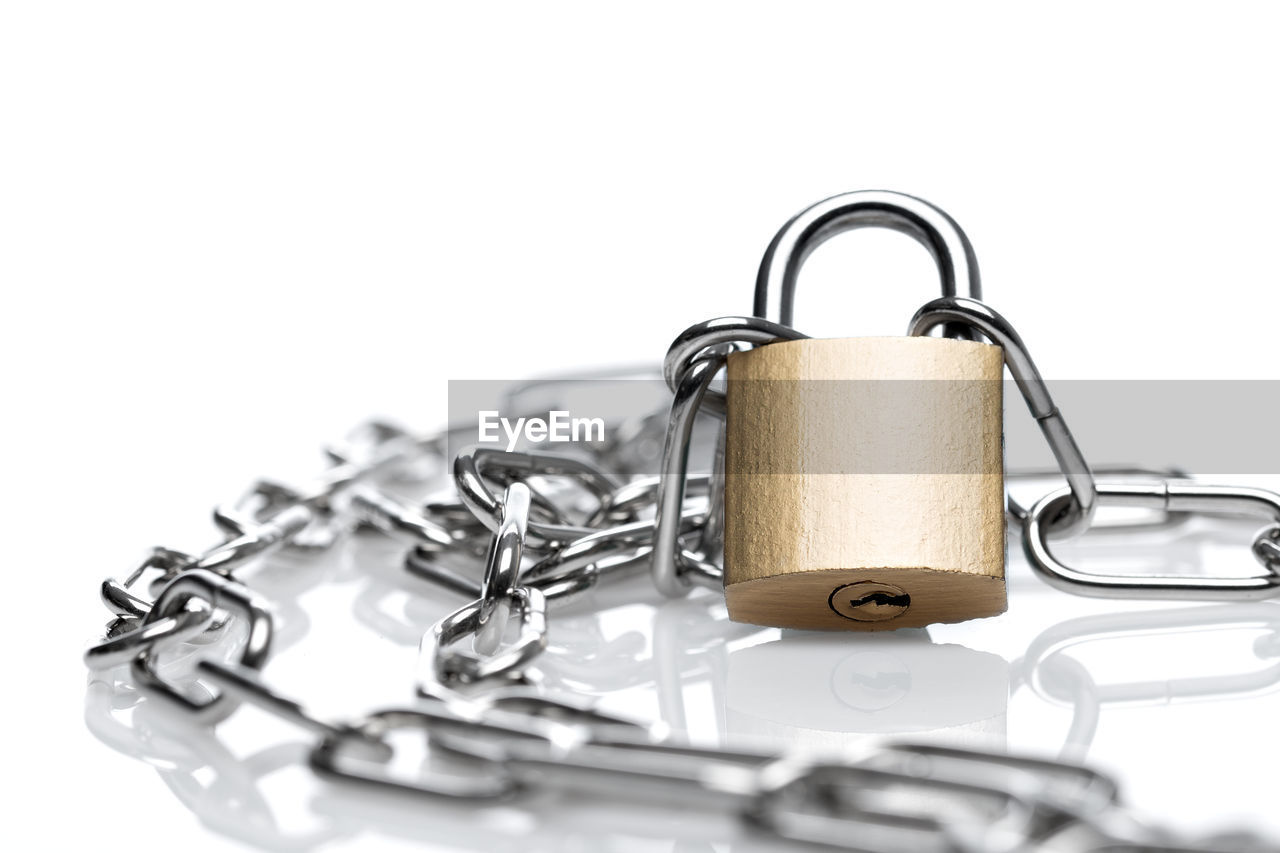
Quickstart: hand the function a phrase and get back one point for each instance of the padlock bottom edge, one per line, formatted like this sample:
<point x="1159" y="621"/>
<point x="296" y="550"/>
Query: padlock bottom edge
<point x="811" y="600"/>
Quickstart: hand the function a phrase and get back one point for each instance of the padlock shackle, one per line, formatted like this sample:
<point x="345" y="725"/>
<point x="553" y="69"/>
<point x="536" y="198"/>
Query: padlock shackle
<point x="813" y="226"/>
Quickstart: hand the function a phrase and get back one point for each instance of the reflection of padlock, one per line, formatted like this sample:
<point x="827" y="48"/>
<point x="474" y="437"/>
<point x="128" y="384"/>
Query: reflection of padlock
<point x="864" y="476"/>
<point x="816" y="692"/>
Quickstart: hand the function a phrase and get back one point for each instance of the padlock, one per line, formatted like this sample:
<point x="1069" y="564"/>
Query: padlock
<point x="864" y="477"/>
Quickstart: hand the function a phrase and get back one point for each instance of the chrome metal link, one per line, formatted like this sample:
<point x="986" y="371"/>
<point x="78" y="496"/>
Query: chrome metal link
<point x="470" y="465"/>
<point x="451" y="662"/>
<point x="502" y="570"/>
<point x="251" y="543"/>
<point x="213" y="591"/>
<point x="373" y="448"/>
<point x="122" y="648"/>
<point x="1075" y="516"/>
<point x="693" y="343"/>
<point x="1165" y="497"/>
<point x="692" y="362"/>
<point x="672" y="570"/>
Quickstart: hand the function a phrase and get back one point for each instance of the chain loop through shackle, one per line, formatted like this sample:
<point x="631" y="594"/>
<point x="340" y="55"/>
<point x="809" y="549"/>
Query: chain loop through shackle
<point x="1076" y="516"/>
<point x="689" y="379"/>
<point x="691" y="364"/>
<point x="959" y="311"/>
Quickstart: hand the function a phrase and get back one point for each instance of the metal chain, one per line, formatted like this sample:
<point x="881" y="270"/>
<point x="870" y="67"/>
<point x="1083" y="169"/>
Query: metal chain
<point x="526" y="531"/>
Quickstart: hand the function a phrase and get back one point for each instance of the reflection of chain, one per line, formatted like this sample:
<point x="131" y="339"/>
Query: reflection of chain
<point x="1053" y="674"/>
<point x="557" y="528"/>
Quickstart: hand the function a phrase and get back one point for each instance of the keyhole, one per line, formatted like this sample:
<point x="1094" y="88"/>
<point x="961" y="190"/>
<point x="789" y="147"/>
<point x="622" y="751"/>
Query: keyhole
<point x="869" y="601"/>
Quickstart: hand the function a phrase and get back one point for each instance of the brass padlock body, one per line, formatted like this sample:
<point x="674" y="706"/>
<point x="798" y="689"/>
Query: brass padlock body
<point x="864" y="483"/>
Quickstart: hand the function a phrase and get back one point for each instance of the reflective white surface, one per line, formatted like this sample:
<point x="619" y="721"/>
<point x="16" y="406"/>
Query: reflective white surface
<point x="1166" y="697"/>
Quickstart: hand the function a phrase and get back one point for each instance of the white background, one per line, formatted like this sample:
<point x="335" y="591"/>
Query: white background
<point x="230" y="231"/>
